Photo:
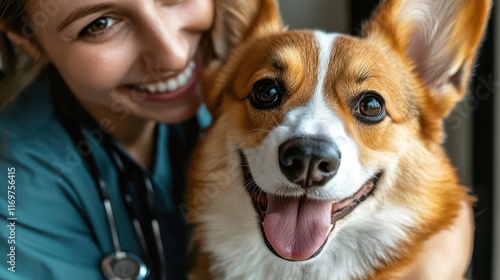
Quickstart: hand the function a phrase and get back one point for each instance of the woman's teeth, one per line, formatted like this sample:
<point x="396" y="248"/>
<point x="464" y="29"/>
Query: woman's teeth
<point x="171" y="84"/>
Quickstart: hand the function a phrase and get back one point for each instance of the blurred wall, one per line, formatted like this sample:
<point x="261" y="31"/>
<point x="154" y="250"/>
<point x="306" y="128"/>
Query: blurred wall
<point x="327" y="15"/>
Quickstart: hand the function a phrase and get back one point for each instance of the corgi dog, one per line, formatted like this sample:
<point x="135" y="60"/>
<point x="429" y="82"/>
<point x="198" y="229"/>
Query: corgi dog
<point x="324" y="159"/>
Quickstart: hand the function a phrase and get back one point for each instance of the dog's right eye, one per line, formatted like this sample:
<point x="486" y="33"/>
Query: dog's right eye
<point x="266" y="94"/>
<point x="370" y="108"/>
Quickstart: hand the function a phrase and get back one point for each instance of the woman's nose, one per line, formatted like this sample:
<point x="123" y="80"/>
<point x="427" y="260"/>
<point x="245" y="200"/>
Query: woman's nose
<point x="165" y="46"/>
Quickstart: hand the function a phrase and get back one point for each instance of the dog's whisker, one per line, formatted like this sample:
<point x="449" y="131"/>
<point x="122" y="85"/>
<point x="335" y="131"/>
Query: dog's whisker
<point x="232" y="184"/>
<point x="275" y="121"/>
<point x="255" y="130"/>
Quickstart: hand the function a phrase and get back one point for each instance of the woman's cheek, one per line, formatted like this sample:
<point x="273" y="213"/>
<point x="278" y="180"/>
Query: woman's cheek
<point x="98" y="71"/>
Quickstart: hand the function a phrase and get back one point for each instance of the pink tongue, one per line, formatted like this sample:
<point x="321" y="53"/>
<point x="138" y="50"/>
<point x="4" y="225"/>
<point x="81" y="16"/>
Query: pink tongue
<point x="296" y="227"/>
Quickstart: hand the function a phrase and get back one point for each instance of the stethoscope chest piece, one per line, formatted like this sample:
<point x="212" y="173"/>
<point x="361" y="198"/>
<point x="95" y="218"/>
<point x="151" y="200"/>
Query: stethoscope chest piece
<point x="123" y="266"/>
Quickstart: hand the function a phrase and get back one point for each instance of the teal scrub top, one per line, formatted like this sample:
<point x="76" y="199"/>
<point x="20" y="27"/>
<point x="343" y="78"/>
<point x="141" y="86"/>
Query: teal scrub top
<point x="52" y="220"/>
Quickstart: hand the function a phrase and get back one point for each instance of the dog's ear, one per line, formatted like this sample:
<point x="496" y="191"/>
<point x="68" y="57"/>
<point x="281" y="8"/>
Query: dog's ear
<point x="235" y="22"/>
<point x="438" y="39"/>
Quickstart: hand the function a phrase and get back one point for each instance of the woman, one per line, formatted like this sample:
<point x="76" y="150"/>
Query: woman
<point x="114" y="112"/>
<point x="133" y="66"/>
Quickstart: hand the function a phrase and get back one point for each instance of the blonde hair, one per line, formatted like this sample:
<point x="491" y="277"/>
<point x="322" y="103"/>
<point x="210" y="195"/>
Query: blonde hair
<point x="19" y="69"/>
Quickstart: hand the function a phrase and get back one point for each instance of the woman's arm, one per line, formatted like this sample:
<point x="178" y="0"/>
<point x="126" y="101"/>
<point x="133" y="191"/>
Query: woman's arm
<point x="447" y="255"/>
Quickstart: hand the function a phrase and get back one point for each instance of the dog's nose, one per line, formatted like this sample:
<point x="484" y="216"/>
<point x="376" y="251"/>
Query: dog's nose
<point x="309" y="162"/>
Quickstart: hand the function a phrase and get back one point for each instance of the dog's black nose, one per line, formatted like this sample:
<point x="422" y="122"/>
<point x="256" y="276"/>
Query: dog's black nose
<point x="309" y="162"/>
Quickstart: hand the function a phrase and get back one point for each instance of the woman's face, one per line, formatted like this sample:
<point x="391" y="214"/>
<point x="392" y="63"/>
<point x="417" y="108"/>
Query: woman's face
<point x="129" y="57"/>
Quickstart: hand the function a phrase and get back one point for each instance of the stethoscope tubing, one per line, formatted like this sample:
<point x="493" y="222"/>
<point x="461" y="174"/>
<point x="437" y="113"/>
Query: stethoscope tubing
<point x="116" y="151"/>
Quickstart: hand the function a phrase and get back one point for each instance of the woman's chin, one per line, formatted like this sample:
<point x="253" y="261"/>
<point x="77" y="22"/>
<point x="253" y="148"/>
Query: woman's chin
<point x="179" y="113"/>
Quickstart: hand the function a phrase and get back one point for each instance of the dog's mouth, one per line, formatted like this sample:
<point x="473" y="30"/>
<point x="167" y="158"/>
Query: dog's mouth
<point x="297" y="228"/>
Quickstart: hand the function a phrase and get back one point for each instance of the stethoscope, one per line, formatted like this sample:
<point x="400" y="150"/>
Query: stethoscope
<point x="118" y="264"/>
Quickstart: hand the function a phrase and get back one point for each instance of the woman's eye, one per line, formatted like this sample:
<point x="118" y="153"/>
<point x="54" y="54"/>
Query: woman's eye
<point x="266" y="94"/>
<point x="370" y="108"/>
<point x="98" y="26"/>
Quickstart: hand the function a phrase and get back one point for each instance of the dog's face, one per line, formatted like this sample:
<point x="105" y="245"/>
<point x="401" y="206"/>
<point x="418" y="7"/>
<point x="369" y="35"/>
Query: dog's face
<point x="336" y="137"/>
<point x="317" y="126"/>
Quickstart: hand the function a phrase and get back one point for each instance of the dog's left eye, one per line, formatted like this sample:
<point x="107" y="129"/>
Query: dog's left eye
<point x="370" y="108"/>
<point x="266" y="94"/>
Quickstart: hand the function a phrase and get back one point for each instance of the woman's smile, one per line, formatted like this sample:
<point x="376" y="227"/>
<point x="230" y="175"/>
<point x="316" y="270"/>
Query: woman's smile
<point x="171" y="84"/>
<point x="168" y="89"/>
